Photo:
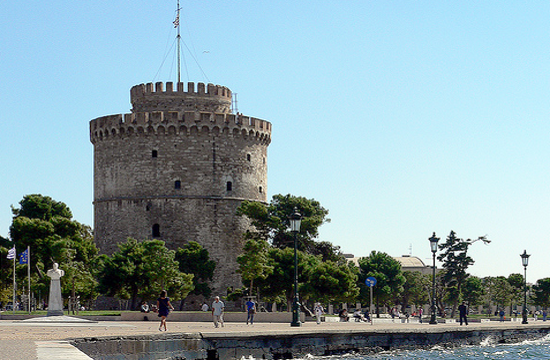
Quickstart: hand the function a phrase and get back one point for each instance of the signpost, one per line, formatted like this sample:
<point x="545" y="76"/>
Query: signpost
<point x="370" y="282"/>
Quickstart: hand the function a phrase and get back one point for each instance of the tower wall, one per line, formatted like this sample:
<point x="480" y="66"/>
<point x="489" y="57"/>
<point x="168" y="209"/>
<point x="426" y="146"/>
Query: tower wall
<point x="182" y="171"/>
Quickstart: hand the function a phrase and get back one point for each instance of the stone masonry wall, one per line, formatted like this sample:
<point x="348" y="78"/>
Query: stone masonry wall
<point x="179" y="175"/>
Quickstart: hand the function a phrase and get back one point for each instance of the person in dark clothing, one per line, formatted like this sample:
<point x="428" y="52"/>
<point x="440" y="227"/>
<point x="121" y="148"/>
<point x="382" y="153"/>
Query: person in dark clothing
<point x="463" y="311"/>
<point x="164" y="307"/>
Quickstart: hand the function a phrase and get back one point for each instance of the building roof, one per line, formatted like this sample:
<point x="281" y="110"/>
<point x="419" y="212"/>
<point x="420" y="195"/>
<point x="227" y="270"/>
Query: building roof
<point x="408" y="262"/>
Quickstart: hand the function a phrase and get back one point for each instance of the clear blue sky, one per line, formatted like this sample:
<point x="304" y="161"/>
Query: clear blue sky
<point x="401" y="117"/>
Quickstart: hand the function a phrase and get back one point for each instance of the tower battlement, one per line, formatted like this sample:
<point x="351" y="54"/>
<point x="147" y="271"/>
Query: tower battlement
<point x="175" y="122"/>
<point x="152" y="97"/>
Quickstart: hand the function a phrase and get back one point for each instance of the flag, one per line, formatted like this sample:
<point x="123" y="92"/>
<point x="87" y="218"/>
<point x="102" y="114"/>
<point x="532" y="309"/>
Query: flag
<point x="11" y="253"/>
<point x="24" y="257"/>
<point x="177" y="21"/>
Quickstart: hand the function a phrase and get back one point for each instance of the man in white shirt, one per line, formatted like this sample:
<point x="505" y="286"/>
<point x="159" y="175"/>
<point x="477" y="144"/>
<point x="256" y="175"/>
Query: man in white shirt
<point x="217" y="311"/>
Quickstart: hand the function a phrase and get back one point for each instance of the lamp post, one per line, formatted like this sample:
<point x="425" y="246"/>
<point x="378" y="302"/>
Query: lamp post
<point x="524" y="262"/>
<point x="433" y="246"/>
<point x="295" y="220"/>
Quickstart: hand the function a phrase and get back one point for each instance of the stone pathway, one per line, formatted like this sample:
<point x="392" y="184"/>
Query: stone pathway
<point x="48" y="340"/>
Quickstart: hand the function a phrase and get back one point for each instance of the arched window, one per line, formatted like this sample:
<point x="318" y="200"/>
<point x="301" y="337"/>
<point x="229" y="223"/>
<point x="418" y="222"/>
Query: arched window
<point x="156" y="231"/>
<point x="229" y="186"/>
<point x="248" y="157"/>
<point x="177" y="184"/>
<point x="155" y="153"/>
<point x="260" y="189"/>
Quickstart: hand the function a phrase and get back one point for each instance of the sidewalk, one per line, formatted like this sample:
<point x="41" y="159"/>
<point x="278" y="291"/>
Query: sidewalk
<point x="21" y="340"/>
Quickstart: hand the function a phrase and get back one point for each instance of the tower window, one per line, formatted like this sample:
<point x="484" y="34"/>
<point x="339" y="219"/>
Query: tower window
<point x="260" y="189"/>
<point x="248" y="157"/>
<point x="156" y="231"/>
<point x="229" y="186"/>
<point x="155" y="153"/>
<point x="177" y="184"/>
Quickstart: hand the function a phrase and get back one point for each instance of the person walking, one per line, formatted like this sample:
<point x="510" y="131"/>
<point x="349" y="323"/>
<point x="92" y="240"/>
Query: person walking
<point x="251" y="310"/>
<point x="462" y="312"/>
<point x="217" y="311"/>
<point x="164" y="307"/>
<point x="420" y="313"/>
<point x="319" y="311"/>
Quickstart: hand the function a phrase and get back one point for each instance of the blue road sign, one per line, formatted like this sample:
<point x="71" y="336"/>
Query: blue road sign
<point x="370" y="281"/>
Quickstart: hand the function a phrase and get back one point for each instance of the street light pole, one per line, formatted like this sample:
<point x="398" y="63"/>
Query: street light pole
<point x="295" y="220"/>
<point x="524" y="262"/>
<point x="433" y="246"/>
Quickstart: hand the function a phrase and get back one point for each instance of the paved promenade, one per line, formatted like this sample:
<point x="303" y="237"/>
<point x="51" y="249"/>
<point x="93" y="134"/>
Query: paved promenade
<point x="24" y="340"/>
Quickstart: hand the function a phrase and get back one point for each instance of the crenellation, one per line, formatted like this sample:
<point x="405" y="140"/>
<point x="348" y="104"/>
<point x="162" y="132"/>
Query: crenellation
<point x="169" y="87"/>
<point x="149" y="122"/>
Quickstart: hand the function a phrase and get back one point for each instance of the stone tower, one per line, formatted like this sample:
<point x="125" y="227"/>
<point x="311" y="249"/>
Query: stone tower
<point x="176" y="168"/>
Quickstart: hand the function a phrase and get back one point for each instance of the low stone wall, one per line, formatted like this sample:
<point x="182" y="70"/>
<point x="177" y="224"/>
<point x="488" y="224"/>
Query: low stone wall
<point x="285" y="345"/>
<point x="261" y="317"/>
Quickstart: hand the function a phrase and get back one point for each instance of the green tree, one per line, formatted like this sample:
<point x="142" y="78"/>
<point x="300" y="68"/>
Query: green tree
<point x="389" y="278"/>
<point x="46" y="226"/>
<point x="254" y="262"/>
<point x="472" y="290"/>
<point x="329" y="281"/>
<point x="271" y="223"/>
<point x="541" y="293"/>
<point x="416" y="289"/>
<point x="142" y="270"/>
<point x="516" y="281"/>
<point x="455" y="262"/>
<point x="194" y="259"/>
<point x="278" y="286"/>
<point x="502" y="292"/>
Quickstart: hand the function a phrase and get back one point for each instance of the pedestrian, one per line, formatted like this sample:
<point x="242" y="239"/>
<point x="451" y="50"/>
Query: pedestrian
<point x="217" y="311"/>
<point x="319" y="311"/>
<point x="204" y="307"/>
<point x="544" y="314"/>
<point x="420" y="313"/>
<point x="501" y="314"/>
<point x="164" y="307"/>
<point x="343" y="314"/>
<point x="462" y="312"/>
<point x="144" y="307"/>
<point x="251" y="310"/>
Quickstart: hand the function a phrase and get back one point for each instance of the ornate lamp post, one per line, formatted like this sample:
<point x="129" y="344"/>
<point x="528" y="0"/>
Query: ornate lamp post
<point x="524" y="262"/>
<point x="433" y="246"/>
<point x="295" y="220"/>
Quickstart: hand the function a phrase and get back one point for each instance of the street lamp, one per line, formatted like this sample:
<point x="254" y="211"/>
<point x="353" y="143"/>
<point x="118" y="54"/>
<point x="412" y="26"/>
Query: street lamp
<point x="524" y="262"/>
<point x="433" y="246"/>
<point x="295" y="220"/>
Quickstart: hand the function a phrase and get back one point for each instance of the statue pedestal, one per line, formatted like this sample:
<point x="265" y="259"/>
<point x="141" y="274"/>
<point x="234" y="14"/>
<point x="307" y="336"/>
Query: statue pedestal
<point x="55" y="313"/>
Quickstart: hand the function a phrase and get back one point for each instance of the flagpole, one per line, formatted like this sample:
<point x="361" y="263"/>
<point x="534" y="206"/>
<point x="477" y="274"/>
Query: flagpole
<point x="13" y="301"/>
<point x="29" y="275"/>
<point x="179" y="41"/>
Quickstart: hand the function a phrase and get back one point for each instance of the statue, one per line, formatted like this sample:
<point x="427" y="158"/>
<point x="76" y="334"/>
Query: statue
<point x="55" y="302"/>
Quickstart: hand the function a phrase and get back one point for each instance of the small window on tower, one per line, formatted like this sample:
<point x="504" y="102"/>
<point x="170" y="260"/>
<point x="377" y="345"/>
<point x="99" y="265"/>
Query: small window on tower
<point x="156" y="231"/>
<point x="260" y="189"/>
<point x="248" y="157"/>
<point x="229" y="186"/>
<point x="155" y="153"/>
<point x="177" y="184"/>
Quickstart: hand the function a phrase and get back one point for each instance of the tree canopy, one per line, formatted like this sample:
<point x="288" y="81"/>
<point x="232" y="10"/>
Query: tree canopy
<point x="387" y="272"/>
<point x="46" y="226"/>
<point x="194" y="259"/>
<point x="141" y="269"/>
<point x="271" y="223"/>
